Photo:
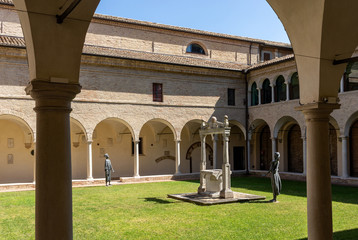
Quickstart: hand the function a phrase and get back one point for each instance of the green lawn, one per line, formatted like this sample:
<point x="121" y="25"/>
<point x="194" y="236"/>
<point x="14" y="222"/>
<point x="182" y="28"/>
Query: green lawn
<point x="142" y="211"/>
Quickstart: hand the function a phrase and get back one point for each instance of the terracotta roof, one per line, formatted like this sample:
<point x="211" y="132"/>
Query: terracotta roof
<point x="271" y="62"/>
<point x="138" y="55"/>
<point x="182" y="29"/>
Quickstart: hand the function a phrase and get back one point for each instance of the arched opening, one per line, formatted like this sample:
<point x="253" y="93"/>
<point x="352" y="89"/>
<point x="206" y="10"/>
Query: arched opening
<point x="295" y="149"/>
<point x="191" y="147"/>
<point x="195" y="48"/>
<point x="266" y="93"/>
<point x="158" y="154"/>
<point x="280" y="89"/>
<point x="113" y="136"/>
<point x="353" y="143"/>
<point x="16" y="151"/>
<point x="254" y="95"/>
<point x="79" y="150"/>
<point x="265" y="148"/>
<point x="294" y="87"/>
<point x="333" y="149"/>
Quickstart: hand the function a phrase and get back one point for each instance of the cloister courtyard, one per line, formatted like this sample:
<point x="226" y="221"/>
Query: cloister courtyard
<point x="143" y="211"/>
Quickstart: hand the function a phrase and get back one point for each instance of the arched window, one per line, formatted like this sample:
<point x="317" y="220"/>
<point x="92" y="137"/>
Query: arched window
<point x="266" y="92"/>
<point x="254" y="95"/>
<point x="351" y="77"/>
<point x="280" y="89"/>
<point x="294" y="87"/>
<point x="195" y="48"/>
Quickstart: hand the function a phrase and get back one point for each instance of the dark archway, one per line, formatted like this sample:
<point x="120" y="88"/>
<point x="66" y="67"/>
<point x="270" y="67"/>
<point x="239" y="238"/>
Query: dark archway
<point x="294" y="87"/>
<point x="280" y="89"/>
<point x="254" y="95"/>
<point x="265" y="148"/>
<point x="353" y="143"/>
<point x="295" y="149"/>
<point x="266" y="93"/>
<point x="193" y="147"/>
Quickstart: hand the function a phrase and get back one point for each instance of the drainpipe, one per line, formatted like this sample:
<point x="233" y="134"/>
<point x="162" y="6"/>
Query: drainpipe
<point x="247" y="123"/>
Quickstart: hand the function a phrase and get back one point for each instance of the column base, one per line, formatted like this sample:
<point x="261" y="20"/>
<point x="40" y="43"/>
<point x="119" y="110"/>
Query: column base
<point x="226" y="193"/>
<point x="178" y="173"/>
<point x="136" y="176"/>
<point x="90" y="179"/>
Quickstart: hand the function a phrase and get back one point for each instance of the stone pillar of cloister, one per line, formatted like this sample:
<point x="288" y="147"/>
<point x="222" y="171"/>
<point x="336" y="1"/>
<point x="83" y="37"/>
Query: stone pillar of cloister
<point x="215" y="150"/>
<point x="136" y="159"/>
<point x="177" y="157"/>
<point x="53" y="158"/>
<point x="202" y="187"/>
<point x="89" y="161"/>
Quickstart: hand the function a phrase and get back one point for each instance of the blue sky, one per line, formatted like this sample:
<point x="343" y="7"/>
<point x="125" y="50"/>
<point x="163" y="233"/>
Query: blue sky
<point x="247" y="18"/>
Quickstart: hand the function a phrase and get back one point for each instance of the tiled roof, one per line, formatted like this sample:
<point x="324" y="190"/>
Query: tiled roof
<point x="175" y="28"/>
<point x="271" y="62"/>
<point x="137" y="55"/>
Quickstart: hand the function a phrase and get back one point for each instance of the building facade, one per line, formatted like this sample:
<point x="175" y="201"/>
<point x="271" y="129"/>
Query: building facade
<point x="147" y="87"/>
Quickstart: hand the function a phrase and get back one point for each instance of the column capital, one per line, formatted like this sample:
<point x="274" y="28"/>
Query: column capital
<point x="89" y="141"/>
<point x="177" y="140"/>
<point x="318" y="111"/>
<point x="52" y="96"/>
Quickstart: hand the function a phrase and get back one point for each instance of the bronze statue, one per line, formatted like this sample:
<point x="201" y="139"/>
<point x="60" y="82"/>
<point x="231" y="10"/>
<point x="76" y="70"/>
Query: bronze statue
<point x="275" y="177"/>
<point x="107" y="169"/>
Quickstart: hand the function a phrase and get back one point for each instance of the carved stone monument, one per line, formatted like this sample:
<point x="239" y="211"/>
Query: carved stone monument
<point x="215" y="182"/>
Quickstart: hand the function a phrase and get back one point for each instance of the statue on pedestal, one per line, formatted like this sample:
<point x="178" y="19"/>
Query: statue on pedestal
<point x="275" y="177"/>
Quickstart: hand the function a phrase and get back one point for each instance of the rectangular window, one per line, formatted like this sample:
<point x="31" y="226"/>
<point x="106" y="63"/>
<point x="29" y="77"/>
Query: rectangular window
<point x="157" y="92"/>
<point x="231" y="96"/>
<point x="267" y="56"/>
<point x="140" y="146"/>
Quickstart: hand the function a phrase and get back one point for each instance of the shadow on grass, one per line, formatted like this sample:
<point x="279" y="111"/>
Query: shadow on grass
<point x="351" y="234"/>
<point x="157" y="200"/>
<point x="344" y="194"/>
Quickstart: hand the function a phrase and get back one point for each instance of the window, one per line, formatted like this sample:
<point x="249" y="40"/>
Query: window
<point x="195" y="48"/>
<point x="351" y="77"/>
<point x="280" y="89"/>
<point x="294" y="87"/>
<point x="231" y="97"/>
<point x="266" y="55"/>
<point x="266" y="92"/>
<point x="140" y="146"/>
<point x="254" y="95"/>
<point x="157" y="92"/>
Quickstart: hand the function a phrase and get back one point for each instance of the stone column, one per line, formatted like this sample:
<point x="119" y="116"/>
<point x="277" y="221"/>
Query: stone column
<point x="259" y="95"/>
<point x="342" y="85"/>
<point x="34" y="163"/>
<point x="344" y="157"/>
<point x="272" y="93"/>
<point x="304" y="145"/>
<point x="53" y="214"/>
<point x="287" y="91"/>
<point x="215" y="150"/>
<point x="202" y="187"/>
<point x="274" y="147"/>
<point x="319" y="203"/>
<point x="136" y="159"/>
<point x="177" y="157"/>
<point x="248" y="149"/>
<point x="89" y="161"/>
<point x="226" y="192"/>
